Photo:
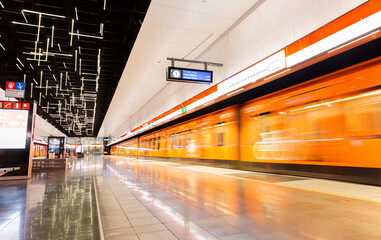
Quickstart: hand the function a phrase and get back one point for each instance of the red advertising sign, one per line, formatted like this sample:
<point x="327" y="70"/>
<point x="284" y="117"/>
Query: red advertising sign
<point x="1" y="104"/>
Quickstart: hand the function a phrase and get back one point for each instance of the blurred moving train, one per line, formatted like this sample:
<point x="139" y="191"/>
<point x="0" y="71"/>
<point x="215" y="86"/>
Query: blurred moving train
<point x="327" y="127"/>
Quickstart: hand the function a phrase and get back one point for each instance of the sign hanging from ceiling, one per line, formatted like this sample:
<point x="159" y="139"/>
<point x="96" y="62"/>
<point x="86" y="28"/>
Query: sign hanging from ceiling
<point x="15" y="89"/>
<point x="189" y="75"/>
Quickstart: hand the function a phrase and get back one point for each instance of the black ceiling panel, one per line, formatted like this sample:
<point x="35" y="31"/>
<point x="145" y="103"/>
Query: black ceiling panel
<point x="88" y="48"/>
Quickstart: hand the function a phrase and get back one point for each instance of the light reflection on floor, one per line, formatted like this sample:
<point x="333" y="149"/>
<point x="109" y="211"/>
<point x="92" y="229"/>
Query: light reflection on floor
<point x="142" y="199"/>
<point x="51" y="205"/>
<point x="192" y="202"/>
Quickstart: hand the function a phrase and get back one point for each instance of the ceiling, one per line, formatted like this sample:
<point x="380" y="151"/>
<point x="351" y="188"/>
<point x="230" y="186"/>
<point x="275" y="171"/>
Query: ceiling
<point x="71" y="55"/>
<point x="179" y="29"/>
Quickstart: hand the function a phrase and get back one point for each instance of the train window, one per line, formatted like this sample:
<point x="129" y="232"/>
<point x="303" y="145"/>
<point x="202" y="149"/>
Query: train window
<point x="158" y="143"/>
<point x="264" y="123"/>
<point x="188" y="137"/>
<point x="180" y="138"/>
<point x="153" y="143"/>
<point x="220" y="139"/>
<point x="173" y="140"/>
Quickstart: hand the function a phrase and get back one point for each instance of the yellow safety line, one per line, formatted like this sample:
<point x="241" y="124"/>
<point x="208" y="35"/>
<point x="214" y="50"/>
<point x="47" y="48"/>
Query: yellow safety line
<point x="311" y="190"/>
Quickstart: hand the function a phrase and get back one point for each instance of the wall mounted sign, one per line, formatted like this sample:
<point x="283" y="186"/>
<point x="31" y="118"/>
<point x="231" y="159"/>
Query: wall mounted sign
<point x="16" y="141"/>
<point x="15" y="89"/>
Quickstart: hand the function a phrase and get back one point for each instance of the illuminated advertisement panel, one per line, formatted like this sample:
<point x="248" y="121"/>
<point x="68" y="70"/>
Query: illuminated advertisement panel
<point x="16" y="144"/>
<point x="13" y="128"/>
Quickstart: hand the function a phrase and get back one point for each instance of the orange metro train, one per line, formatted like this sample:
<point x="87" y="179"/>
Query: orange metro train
<point x="328" y="127"/>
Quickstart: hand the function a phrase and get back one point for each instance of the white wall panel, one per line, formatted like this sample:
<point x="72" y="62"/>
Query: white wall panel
<point x="347" y="5"/>
<point x="313" y="14"/>
<point x="269" y="28"/>
<point x="45" y="129"/>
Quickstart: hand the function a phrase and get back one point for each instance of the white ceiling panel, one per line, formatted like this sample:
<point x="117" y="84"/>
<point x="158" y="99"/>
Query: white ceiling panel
<point x="223" y="8"/>
<point x="176" y="35"/>
<point x="171" y="28"/>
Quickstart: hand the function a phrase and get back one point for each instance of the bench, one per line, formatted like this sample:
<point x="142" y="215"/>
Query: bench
<point x="50" y="164"/>
<point x="7" y="170"/>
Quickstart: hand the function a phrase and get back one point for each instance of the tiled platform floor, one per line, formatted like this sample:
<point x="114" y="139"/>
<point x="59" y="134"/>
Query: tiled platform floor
<point x="51" y="205"/>
<point x="142" y="199"/>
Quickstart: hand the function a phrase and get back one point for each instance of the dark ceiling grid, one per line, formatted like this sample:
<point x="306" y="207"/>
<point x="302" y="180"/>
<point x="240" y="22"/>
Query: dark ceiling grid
<point x="73" y="70"/>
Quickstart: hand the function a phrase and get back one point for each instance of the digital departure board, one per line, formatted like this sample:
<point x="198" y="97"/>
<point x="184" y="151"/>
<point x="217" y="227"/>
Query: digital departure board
<point x="189" y="75"/>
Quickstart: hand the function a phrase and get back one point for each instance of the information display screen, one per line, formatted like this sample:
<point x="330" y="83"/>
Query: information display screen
<point x="189" y="75"/>
<point x="13" y="128"/>
<point x="54" y="145"/>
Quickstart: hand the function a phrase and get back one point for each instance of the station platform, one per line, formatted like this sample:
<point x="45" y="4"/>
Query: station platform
<point x="124" y="198"/>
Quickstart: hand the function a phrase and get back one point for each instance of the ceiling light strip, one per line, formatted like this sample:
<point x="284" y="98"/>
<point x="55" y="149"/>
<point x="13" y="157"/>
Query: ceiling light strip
<point x="41" y="73"/>
<point x="47" y="49"/>
<point x="27" y="24"/>
<point x="85" y="35"/>
<point x="1" y="45"/>
<point x="101" y="29"/>
<point x="75" y="60"/>
<point x="39" y="56"/>
<point x="60" y="81"/>
<point x="26" y="20"/>
<point x="49" y="53"/>
<point x="42" y="13"/>
<point x="80" y="66"/>
<point x="20" y="62"/>
<point x="38" y="29"/>
<point x="31" y="90"/>
<point x="52" y="36"/>
<point x="76" y="13"/>
<point x="72" y="29"/>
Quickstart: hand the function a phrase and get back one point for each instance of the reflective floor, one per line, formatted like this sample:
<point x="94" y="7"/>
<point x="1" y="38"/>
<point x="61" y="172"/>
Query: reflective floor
<point x="144" y="199"/>
<point x="52" y="205"/>
<point x="162" y="200"/>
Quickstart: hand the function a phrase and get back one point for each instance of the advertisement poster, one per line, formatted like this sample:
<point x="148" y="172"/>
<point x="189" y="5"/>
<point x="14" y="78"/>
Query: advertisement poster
<point x="13" y="128"/>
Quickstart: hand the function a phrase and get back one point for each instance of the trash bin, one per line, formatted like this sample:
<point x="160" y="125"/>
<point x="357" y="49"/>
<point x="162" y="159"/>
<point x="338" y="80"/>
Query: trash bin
<point x="52" y="155"/>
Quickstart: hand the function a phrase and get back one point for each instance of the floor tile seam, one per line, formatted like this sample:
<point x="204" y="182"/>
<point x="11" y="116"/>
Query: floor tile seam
<point x="172" y="194"/>
<point x="226" y="223"/>
<point x="280" y="184"/>
<point x="185" y="218"/>
<point x="149" y="210"/>
<point x="172" y="208"/>
<point x="100" y="223"/>
<point x="120" y="206"/>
